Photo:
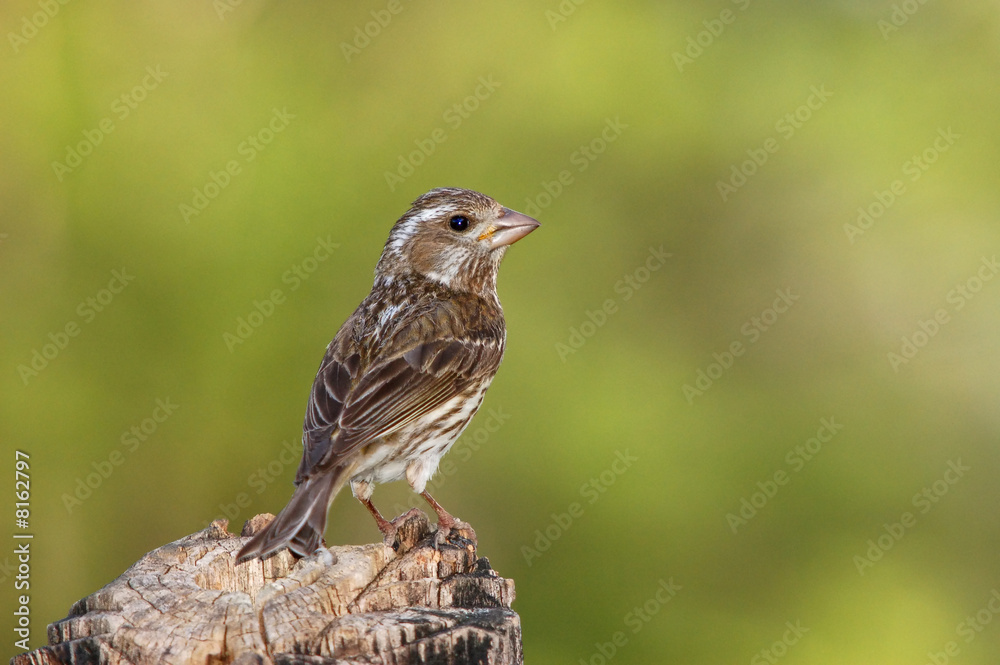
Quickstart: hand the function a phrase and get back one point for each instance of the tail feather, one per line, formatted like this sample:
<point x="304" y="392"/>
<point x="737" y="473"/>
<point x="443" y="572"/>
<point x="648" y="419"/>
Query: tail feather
<point x="300" y="524"/>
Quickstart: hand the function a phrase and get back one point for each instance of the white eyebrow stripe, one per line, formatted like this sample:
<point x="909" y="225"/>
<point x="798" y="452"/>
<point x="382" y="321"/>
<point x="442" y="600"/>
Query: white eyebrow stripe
<point x="408" y="228"/>
<point x="431" y="213"/>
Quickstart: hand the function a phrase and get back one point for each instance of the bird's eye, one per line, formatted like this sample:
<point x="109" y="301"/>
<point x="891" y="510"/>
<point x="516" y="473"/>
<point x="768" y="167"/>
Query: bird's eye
<point x="459" y="223"/>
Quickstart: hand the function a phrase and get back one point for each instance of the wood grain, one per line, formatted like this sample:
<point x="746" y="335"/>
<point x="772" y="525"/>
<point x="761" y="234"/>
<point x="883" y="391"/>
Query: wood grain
<point x="190" y="602"/>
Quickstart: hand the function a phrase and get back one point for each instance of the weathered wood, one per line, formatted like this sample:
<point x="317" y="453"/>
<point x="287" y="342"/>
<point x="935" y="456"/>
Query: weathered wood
<point x="190" y="602"/>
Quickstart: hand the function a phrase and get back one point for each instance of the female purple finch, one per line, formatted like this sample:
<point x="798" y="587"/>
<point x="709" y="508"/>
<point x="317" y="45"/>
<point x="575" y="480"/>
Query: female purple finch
<point x="408" y="370"/>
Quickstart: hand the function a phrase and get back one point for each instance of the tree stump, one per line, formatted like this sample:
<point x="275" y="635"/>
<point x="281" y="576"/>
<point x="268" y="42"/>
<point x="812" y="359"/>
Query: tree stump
<point x="190" y="602"/>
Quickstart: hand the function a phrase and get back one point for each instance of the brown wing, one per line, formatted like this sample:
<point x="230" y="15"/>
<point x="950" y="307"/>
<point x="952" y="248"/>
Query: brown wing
<point x="350" y="407"/>
<point x="334" y="381"/>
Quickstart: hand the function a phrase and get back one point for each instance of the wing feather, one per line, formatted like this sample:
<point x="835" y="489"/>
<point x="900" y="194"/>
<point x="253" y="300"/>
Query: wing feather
<point x="403" y="390"/>
<point x="351" y="405"/>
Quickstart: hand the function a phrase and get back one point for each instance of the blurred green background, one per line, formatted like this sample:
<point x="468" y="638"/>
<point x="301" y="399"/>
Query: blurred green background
<point x="740" y="138"/>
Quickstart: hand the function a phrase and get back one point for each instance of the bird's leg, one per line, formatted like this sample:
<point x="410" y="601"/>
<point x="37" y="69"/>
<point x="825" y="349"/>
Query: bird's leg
<point x="362" y="490"/>
<point x="448" y="523"/>
<point x="384" y="525"/>
<point x="387" y="527"/>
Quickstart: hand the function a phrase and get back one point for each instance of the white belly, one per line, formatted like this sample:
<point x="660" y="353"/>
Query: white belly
<point x="412" y="455"/>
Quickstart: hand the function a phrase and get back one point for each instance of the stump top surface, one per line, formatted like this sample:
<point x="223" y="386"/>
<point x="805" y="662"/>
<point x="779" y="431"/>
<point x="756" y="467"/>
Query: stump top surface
<point x="190" y="602"/>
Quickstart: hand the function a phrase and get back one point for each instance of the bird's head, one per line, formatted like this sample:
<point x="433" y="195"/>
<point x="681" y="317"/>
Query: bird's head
<point x="456" y="237"/>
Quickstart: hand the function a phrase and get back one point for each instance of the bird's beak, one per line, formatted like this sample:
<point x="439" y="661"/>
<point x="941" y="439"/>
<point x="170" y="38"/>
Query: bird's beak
<point x="509" y="228"/>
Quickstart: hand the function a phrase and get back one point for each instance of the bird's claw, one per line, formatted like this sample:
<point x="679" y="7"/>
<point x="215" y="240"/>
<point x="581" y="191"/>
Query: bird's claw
<point x="456" y="534"/>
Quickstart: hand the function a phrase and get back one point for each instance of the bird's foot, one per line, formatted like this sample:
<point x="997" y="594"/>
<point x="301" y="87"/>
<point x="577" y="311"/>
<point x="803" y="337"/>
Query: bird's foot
<point x="450" y="530"/>
<point x="456" y="533"/>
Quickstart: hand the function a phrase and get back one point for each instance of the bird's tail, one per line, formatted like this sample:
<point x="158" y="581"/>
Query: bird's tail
<point x="300" y="524"/>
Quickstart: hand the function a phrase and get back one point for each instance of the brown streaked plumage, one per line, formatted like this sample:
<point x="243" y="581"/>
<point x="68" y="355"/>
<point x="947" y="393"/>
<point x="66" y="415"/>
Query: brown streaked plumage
<point x="407" y="371"/>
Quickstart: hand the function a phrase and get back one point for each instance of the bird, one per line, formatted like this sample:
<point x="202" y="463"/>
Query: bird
<point x="407" y="371"/>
